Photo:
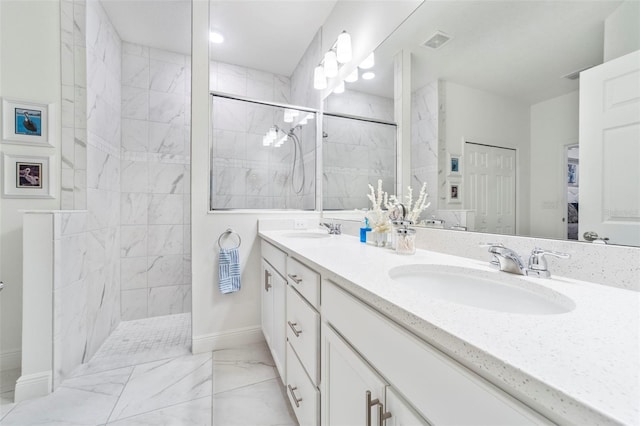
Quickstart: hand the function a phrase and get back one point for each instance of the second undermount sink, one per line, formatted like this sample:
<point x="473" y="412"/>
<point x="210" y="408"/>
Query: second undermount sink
<point x="482" y="289"/>
<point x="307" y="234"/>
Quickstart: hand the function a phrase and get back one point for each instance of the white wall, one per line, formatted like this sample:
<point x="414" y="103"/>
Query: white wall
<point x="30" y="70"/>
<point x="554" y="125"/>
<point x="486" y="118"/>
<point x="621" y="33"/>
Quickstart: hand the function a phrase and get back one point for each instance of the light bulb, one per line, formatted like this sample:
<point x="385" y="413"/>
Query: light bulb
<point x="352" y="77"/>
<point x="368" y="62"/>
<point x="310" y="116"/>
<point x="343" y="48"/>
<point x="330" y="64"/>
<point x="319" y="79"/>
<point x="266" y="141"/>
<point x="368" y="75"/>
<point x="272" y="134"/>
<point x="339" y="88"/>
<point x="216" y="37"/>
<point x="288" y="116"/>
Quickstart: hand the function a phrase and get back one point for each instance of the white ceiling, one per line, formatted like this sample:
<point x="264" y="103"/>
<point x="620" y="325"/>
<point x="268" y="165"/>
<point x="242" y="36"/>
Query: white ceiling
<point x="520" y="49"/>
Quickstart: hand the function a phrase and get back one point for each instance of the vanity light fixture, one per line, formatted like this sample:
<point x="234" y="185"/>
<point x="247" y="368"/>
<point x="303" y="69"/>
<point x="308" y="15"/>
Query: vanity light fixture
<point x="343" y="48"/>
<point x="330" y="64"/>
<point x="368" y="62"/>
<point x="319" y="79"/>
<point x="215" y="37"/>
<point x="353" y="77"/>
<point x="339" y="88"/>
<point x="368" y="75"/>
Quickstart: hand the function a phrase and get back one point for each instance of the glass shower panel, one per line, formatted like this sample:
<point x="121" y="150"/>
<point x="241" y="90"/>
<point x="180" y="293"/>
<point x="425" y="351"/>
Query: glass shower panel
<point x="356" y="152"/>
<point x="263" y="155"/>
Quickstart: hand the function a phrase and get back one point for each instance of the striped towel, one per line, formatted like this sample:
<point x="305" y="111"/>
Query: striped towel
<point x="229" y="270"/>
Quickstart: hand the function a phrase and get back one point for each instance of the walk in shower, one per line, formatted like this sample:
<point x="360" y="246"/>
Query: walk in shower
<point x="263" y="155"/>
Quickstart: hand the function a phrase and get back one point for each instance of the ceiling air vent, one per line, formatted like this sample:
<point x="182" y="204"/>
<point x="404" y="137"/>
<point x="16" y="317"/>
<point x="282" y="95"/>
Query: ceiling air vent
<point x="437" y="40"/>
<point x="576" y="74"/>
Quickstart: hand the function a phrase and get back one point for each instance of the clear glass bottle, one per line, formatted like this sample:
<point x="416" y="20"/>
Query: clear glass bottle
<point x="405" y="241"/>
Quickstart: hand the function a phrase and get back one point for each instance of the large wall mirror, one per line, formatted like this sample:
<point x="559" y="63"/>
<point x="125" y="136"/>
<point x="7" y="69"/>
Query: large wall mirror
<point x="495" y="111"/>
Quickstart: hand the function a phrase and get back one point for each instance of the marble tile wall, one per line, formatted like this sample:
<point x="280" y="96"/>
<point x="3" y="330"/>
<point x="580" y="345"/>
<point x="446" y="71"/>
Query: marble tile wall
<point x="245" y="173"/>
<point x="73" y="104"/>
<point x="302" y="91"/>
<point x="103" y="57"/>
<point x="356" y="153"/>
<point x="155" y="184"/>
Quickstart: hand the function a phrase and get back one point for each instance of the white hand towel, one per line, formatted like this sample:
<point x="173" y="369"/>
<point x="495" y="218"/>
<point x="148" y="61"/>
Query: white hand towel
<point x="229" y="270"/>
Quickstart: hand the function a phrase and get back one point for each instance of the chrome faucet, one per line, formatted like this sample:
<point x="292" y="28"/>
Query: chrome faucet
<point x="334" y="228"/>
<point x="508" y="260"/>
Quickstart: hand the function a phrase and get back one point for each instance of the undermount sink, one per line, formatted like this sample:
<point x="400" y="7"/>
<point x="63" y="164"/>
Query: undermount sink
<point x="306" y="234"/>
<point x="482" y="289"/>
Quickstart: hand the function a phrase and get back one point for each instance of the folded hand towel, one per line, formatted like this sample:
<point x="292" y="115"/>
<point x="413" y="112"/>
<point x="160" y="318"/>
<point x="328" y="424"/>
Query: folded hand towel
<point x="229" y="270"/>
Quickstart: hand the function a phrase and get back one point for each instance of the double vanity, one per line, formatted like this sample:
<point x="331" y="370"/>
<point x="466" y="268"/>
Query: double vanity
<point x="363" y="336"/>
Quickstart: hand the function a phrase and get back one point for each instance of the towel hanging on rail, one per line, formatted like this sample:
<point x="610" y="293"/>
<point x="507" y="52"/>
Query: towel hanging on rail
<point x="229" y="265"/>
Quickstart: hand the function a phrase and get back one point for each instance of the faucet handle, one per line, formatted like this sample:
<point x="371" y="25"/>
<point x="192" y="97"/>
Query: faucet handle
<point x="494" y="260"/>
<point x="538" y="264"/>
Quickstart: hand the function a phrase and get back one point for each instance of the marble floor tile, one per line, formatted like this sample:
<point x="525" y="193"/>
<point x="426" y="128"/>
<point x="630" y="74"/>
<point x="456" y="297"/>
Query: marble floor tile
<point x="192" y="413"/>
<point x="257" y="405"/>
<point x="242" y="366"/>
<point x="65" y="406"/>
<point x="6" y="403"/>
<point x="163" y="383"/>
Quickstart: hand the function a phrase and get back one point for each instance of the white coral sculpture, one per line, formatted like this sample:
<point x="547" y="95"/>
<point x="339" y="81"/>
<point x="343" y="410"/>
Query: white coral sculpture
<point x="414" y="209"/>
<point x="378" y="218"/>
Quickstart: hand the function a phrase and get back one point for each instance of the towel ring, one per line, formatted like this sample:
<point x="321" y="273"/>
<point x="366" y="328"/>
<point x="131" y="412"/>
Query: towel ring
<point x="228" y="232"/>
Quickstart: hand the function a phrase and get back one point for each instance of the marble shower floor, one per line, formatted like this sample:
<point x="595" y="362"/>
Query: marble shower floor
<point x="144" y="374"/>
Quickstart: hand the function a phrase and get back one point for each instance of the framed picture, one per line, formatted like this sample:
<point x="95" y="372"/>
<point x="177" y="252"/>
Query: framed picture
<point x="454" y="193"/>
<point x="26" y="123"/>
<point x="572" y="174"/>
<point x="26" y="176"/>
<point x="455" y="165"/>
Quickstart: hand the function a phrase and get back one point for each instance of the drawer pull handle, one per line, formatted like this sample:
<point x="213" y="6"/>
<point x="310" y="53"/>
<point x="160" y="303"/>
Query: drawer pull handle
<point x="296" y="279"/>
<point x="292" y="325"/>
<point x="382" y="416"/>
<point x="267" y="280"/>
<point x="296" y="400"/>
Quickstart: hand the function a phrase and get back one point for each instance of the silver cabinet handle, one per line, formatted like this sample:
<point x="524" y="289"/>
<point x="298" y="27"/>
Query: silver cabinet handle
<point x="296" y="279"/>
<point x="382" y="416"/>
<point x="296" y="400"/>
<point x="267" y="280"/>
<point x="292" y="325"/>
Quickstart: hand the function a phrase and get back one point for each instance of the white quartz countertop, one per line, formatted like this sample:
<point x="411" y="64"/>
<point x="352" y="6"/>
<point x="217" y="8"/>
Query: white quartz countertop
<point x="580" y="367"/>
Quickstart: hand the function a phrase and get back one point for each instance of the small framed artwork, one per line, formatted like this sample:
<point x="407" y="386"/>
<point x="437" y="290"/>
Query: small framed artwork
<point x="455" y="165"/>
<point x="454" y="195"/>
<point x="26" y="176"/>
<point x="572" y="174"/>
<point x="26" y="123"/>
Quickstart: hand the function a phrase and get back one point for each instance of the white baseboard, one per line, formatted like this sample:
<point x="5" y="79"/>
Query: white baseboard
<point x="10" y="360"/>
<point x="226" y="339"/>
<point x="33" y="386"/>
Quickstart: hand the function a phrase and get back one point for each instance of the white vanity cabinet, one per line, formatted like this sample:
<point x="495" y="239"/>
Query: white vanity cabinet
<point x="273" y="298"/>
<point x="441" y="390"/>
<point x="353" y="393"/>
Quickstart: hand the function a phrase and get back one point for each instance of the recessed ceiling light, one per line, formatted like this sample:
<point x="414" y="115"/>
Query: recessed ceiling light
<point x="368" y="75"/>
<point x="216" y="37"/>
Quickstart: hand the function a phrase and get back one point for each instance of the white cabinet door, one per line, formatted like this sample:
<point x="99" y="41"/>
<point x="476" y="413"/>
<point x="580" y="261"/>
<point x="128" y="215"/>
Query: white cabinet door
<point x="267" y="302"/>
<point x="401" y="413"/>
<point x="610" y="150"/>
<point x="346" y="381"/>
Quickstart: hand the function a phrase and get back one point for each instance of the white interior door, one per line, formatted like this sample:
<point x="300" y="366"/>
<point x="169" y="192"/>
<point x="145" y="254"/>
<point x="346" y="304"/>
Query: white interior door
<point x="490" y="180"/>
<point x="610" y="150"/>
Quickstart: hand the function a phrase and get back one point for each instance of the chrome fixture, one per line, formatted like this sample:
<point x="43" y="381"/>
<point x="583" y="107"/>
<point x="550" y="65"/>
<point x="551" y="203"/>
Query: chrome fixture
<point x="334" y="228"/>
<point x="538" y="264"/>
<point x="509" y="261"/>
<point x="594" y="238"/>
<point x="1" y="285"/>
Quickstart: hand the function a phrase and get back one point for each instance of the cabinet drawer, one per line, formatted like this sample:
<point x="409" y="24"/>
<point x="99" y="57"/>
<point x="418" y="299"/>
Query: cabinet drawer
<point x="303" y="396"/>
<point x="275" y="257"/>
<point x="305" y="280"/>
<point x="303" y="332"/>
<point x="442" y="390"/>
